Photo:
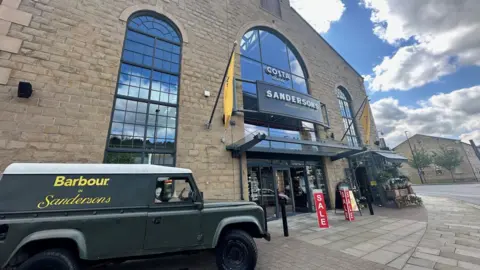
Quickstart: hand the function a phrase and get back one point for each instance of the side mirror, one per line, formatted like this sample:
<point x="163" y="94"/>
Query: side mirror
<point x="201" y="195"/>
<point x="198" y="205"/>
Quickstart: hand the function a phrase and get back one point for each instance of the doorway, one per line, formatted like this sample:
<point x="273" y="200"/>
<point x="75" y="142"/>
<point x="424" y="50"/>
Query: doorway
<point x="300" y="189"/>
<point x="283" y="180"/>
<point x="295" y="179"/>
<point x="362" y="179"/>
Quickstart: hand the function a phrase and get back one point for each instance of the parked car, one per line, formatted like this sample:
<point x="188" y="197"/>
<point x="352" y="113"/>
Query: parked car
<point x="68" y="216"/>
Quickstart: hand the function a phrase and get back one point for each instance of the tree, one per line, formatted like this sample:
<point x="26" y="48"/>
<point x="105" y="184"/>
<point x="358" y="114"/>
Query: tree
<point x="448" y="159"/>
<point x="420" y="160"/>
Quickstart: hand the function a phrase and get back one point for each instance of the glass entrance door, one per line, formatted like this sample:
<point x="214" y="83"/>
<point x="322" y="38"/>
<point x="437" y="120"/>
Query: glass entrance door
<point x="300" y="189"/>
<point x="285" y="188"/>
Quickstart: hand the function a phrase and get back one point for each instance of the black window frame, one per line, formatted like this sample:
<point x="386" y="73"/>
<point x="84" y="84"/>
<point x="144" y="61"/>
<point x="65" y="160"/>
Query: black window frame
<point x="347" y="103"/>
<point x="144" y="151"/>
<point x="290" y="49"/>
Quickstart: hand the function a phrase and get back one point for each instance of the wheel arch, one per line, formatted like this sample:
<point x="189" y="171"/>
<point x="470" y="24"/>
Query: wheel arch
<point x="246" y="223"/>
<point x="50" y="239"/>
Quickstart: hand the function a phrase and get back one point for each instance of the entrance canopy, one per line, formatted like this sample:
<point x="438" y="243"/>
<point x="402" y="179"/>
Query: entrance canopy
<point x="261" y="143"/>
<point x="388" y="155"/>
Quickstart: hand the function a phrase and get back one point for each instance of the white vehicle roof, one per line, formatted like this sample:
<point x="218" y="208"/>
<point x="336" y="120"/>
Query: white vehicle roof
<point x="68" y="168"/>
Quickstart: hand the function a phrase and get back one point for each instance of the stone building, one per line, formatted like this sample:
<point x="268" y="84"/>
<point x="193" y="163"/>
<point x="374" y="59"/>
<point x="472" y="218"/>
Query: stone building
<point x="469" y="169"/>
<point x="127" y="81"/>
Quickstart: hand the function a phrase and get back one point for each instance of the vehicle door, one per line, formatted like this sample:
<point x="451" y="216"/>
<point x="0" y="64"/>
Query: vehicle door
<point x="173" y="220"/>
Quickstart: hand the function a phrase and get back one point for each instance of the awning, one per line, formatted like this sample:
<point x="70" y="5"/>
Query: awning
<point x="389" y="155"/>
<point x="261" y="143"/>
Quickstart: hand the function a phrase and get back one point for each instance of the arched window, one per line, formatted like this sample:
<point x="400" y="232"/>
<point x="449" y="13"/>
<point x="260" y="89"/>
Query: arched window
<point x="144" y="118"/>
<point x="344" y="101"/>
<point x="266" y="56"/>
<point x="263" y="51"/>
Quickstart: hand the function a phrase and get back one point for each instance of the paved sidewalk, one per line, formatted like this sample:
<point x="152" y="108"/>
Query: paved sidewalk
<point x="383" y="240"/>
<point x="452" y="239"/>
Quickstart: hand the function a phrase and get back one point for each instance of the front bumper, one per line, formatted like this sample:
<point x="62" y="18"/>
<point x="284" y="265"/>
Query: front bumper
<point x="267" y="236"/>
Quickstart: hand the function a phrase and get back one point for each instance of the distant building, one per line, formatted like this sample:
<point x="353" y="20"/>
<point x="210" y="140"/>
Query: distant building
<point x="469" y="170"/>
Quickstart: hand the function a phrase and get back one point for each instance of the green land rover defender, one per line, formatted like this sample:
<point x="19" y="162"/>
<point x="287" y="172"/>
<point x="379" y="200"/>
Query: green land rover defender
<point x="71" y="216"/>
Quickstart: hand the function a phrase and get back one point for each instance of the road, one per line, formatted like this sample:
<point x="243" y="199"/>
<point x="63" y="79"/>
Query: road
<point x="465" y="192"/>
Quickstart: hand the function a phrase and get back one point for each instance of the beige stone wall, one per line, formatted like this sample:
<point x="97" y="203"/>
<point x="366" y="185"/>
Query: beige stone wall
<point x="335" y="173"/>
<point x="70" y="52"/>
<point x="463" y="173"/>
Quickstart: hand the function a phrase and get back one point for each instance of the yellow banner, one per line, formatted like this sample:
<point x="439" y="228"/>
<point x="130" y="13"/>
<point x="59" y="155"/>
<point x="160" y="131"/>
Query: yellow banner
<point x="228" y="92"/>
<point x="365" y="121"/>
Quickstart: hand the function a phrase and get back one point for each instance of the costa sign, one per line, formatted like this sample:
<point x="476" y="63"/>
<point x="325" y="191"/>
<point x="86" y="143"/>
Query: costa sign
<point x="277" y="74"/>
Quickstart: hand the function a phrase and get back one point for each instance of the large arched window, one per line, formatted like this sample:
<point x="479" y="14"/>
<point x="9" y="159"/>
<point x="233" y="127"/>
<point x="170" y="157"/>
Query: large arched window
<point x="263" y="50"/>
<point x="266" y="56"/>
<point x="144" y="118"/>
<point x="344" y="101"/>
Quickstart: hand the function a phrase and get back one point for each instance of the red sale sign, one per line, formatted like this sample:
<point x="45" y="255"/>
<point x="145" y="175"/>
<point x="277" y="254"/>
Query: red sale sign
<point x="347" y="204"/>
<point x="321" y="208"/>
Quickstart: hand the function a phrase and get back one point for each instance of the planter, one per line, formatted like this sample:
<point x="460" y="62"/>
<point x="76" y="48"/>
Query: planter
<point x="403" y="192"/>
<point x="397" y="193"/>
<point x="391" y="195"/>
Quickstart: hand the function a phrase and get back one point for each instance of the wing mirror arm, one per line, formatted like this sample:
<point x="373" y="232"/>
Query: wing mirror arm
<point x="198" y="205"/>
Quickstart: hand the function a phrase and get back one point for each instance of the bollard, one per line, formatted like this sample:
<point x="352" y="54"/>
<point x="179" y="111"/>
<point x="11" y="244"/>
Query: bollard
<point x="284" y="217"/>
<point x="369" y="201"/>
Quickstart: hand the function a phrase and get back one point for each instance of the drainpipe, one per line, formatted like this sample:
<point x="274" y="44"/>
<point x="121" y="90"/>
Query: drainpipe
<point x="241" y="177"/>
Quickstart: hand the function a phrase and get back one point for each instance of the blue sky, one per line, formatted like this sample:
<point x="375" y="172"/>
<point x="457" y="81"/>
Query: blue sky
<point x="353" y="38"/>
<point x="420" y="60"/>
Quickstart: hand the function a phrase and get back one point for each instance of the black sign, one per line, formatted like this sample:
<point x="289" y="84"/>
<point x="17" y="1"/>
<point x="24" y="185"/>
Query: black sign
<point x="281" y="101"/>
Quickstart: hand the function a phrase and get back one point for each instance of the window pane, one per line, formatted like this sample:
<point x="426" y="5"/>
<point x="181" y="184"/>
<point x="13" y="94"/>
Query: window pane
<point x="287" y="134"/>
<point x="299" y="84"/>
<point x="249" y="45"/>
<point x="140" y="38"/>
<point x="250" y="69"/>
<point x="154" y="26"/>
<point x="123" y="158"/>
<point x="253" y="129"/>
<point x="118" y="116"/>
<point x="295" y="66"/>
<point x="274" y="51"/>
<point x="246" y="87"/>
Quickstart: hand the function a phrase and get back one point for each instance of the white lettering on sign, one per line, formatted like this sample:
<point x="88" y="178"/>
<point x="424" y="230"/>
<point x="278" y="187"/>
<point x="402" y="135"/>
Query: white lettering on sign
<point x="292" y="98"/>
<point x="277" y="74"/>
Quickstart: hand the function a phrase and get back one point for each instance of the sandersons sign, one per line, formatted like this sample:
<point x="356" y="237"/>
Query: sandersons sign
<point x="278" y="100"/>
<point x="277" y="74"/>
<point x="292" y="98"/>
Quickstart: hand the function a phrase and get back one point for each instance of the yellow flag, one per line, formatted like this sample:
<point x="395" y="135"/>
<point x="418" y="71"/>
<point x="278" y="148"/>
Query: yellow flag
<point x="365" y="120"/>
<point x="228" y="92"/>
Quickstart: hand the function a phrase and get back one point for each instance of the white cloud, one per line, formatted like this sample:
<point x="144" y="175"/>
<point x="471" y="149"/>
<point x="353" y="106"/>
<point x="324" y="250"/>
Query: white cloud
<point x="453" y="115"/>
<point x="442" y="35"/>
<point x="319" y="13"/>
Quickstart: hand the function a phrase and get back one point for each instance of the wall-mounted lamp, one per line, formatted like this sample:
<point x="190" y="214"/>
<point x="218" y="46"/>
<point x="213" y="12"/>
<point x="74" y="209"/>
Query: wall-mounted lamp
<point x="24" y="90"/>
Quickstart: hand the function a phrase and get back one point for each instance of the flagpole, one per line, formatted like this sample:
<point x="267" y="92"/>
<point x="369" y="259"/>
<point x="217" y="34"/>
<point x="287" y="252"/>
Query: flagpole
<point x="354" y="118"/>
<point x="221" y="86"/>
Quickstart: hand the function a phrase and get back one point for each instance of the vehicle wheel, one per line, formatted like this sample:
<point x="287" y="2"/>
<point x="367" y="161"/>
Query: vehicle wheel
<point x="52" y="259"/>
<point x="236" y="251"/>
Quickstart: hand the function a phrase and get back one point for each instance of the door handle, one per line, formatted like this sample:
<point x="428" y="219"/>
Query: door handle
<point x="156" y="220"/>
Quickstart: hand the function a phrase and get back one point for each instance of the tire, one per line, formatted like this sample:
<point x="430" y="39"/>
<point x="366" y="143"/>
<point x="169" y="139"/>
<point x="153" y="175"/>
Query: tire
<point x="236" y="251"/>
<point x="52" y="259"/>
